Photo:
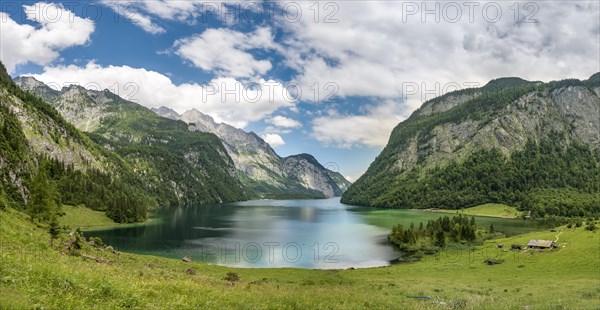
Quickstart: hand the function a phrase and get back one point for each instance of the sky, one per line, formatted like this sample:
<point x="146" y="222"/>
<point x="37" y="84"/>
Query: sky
<point x="328" y="78"/>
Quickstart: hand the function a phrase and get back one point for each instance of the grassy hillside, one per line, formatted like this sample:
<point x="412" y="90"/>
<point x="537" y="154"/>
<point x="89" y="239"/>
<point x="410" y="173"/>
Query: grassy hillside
<point x="86" y="218"/>
<point x="80" y="216"/>
<point x="33" y="273"/>
<point x="487" y="209"/>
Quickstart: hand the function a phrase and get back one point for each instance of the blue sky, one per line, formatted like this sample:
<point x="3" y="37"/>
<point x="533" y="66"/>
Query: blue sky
<point x="375" y="62"/>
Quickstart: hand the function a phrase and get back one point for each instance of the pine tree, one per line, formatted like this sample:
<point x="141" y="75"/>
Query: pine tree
<point x="54" y="229"/>
<point x="440" y="239"/>
<point x="41" y="204"/>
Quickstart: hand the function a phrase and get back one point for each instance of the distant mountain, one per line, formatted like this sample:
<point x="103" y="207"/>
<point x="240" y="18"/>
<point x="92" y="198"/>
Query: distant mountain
<point x="178" y="167"/>
<point x="194" y="160"/>
<point x="260" y="168"/>
<point x="166" y="112"/>
<point x="45" y="162"/>
<point x="530" y="144"/>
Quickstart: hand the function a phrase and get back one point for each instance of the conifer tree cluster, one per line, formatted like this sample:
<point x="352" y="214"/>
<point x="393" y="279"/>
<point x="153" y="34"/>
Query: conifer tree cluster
<point x="57" y="183"/>
<point x="438" y="233"/>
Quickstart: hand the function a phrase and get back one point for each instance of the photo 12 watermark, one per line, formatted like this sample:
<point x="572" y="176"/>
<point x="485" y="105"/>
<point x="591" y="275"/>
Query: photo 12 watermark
<point x="468" y="11"/>
<point x="266" y="253"/>
<point x="204" y="12"/>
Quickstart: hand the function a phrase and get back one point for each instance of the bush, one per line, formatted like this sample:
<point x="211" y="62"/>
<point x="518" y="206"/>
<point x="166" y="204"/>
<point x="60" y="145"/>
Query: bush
<point x="54" y="229"/>
<point x="97" y="240"/>
<point x="74" y="243"/>
<point x="493" y="261"/>
<point x="232" y="277"/>
<point x="591" y="227"/>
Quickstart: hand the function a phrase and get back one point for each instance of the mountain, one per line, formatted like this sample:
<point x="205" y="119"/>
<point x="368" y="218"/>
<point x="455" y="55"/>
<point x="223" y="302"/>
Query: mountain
<point x="180" y="157"/>
<point x="178" y="167"/>
<point x="260" y="168"/>
<point x="531" y="144"/>
<point x="46" y="162"/>
<point x="166" y="112"/>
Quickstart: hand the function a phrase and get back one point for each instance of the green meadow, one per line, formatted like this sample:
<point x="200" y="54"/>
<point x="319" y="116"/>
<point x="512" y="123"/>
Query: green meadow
<point x="80" y="216"/>
<point x="488" y="209"/>
<point x="88" y="219"/>
<point x="36" y="273"/>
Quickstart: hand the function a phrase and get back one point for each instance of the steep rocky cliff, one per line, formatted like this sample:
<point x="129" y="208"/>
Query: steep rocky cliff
<point x="507" y="115"/>
<point x="260" y="168"/>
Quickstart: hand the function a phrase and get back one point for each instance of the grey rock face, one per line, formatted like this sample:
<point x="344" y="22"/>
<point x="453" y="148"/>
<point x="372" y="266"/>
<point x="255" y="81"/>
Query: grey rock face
<point x="572" y="111"/>
<point x="260" y="165"/>
<point x="166" y="112"/>
<point x="307" y="171"/>
<point x="48" y="138"/>
<point x="580" y="108"/>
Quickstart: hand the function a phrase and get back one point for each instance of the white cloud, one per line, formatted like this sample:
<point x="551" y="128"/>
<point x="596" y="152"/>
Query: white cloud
<point x="223" y="51"/>
<point x="59" y="29"/>
<point x="274" y="140"/>
<point x="371" y="51"/>
<point x="225" y="99"/>
<point x="130" y="12"/>
<point x="147" y="13"/>
<point x="172" y="9"/>
<point x="371" y="129"/>
<point x="282" y="121"/>
<point x="277" y="130"/>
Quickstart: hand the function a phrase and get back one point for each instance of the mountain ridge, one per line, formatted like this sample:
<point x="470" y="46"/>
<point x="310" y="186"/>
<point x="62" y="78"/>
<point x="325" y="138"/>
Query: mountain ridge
<point x="46" y="162"/>
<point x="117" y="124"/>
<point x="505" y="117"/>
<point x="261" y="168"/>
<point x="179" y="167"/>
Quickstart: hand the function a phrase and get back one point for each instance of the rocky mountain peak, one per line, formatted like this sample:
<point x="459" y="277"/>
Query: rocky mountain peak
<point x="166" y="112"/>
<point x="28" y="82"/>
<point x="202" y="121"/>
<point x="299" y="174"/>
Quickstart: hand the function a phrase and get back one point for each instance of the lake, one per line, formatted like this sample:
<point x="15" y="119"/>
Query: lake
<point x="323" y="234"/>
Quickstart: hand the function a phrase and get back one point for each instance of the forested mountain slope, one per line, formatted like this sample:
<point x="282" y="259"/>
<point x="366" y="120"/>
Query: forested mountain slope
<point x="45" y="162"/>
<point x="535" y="145"/>
<point x="178" y="167"/>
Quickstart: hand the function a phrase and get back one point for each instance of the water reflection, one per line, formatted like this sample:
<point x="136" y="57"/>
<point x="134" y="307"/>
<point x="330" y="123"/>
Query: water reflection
<point x="272" y="233"/>
<point x="261" y="233"/>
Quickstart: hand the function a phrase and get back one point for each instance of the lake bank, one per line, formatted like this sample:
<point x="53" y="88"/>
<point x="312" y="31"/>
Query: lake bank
<point x="322" y="234"/>
<point x="33" y="273"/>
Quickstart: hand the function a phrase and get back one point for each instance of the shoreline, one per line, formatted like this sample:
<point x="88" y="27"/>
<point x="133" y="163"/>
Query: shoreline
<point x="150" y="221"/>
<point x="448" y="211"/>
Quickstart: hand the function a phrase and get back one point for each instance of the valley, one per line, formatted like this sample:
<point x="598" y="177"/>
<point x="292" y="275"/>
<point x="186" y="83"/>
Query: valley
<point x="192" y="154"/>
<point x="168" y="221"/>
<point x="35" y="272"/>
